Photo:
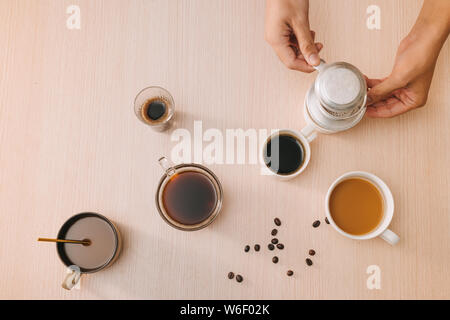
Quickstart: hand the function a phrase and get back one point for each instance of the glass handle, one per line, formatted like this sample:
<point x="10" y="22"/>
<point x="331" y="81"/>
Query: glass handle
<point x="72" y="279"/>
<point x="167" y="166"/>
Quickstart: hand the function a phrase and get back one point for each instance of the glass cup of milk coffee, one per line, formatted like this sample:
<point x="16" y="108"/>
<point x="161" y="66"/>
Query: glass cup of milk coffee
<point x="104" y="246"/>
<point x="154" y="106"/>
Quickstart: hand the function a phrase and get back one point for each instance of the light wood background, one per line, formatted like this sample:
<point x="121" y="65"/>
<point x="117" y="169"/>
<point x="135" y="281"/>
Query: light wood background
<point x="70" y="142"/>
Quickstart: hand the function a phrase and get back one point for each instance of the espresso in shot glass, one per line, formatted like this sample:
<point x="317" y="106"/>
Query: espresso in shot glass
<point x="154" y="106"/>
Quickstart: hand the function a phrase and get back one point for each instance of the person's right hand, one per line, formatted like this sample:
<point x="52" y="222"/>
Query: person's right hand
<point x="406" y="88"/>
<point x="408" y="85"/>
<point x="288" y="32"/>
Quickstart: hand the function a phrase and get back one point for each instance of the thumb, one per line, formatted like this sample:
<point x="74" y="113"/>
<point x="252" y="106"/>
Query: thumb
<point x="382" y="90"/>
<point x="306" y="44"/>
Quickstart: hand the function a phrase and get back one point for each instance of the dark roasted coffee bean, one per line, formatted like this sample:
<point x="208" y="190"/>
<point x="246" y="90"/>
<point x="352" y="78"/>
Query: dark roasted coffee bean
<point x="277" y="221"/>
<point x="290" y="273"/>
<point x="271" y="246"/>
<point x="230" y="275"/>
<point x="309" y="262"/>
<point x="326" y="220"/>
<point x="275" y="259"/>
<point x="280" y="246"/>
<point x="239" y="278"/>
<point x="257" y="247"/>
<point x="316" y="224"/>
<point x="274" y="232"/>
<point x="312" y="252"/>
<point x="247" y="248"/>
<point x="274" y="241"/>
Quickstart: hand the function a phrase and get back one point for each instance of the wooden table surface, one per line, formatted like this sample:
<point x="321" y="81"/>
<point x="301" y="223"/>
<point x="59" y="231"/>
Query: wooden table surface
<point x="70" y="142"/>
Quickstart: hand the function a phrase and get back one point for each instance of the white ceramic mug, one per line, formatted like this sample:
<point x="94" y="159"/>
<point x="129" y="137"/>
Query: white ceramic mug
<point x="305" y="136"/>
<point x="382" y="229"/>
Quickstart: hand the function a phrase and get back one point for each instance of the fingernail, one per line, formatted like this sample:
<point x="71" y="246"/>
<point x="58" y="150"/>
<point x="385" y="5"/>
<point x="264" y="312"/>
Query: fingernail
<point x="369" y="100"/>
<point x="314" y="59"/>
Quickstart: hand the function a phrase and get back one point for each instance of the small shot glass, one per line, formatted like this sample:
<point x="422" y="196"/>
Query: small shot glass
<point x="154" y="106"/>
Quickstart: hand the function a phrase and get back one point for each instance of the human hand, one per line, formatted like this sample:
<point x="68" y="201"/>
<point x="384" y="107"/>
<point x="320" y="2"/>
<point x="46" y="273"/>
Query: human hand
<point x="407" y="86"/>
<point x="287" y="31"/>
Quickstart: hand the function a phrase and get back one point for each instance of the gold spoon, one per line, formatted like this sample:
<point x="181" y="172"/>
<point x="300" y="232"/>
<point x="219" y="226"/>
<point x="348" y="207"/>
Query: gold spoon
<point x="84" y="242"/>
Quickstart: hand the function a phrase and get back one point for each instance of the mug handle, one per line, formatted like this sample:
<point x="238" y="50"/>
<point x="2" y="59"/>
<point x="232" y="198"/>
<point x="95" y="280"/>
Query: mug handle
<point x="309" y="132"/>
<point x="71" y="280"/>
<point x="167" y="166"/>
<point x="390" y="237"/>
<point x="321" y="65"/>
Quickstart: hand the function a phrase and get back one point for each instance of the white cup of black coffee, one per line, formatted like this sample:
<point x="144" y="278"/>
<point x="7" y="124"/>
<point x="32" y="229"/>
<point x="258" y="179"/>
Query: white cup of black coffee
<point x="286" y="153"/>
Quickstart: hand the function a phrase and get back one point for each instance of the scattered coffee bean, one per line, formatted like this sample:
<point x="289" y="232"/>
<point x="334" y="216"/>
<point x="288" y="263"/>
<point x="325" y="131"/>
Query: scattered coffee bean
<point x="247" y="248"/>
<point x="290" y="273"/>
<point x="271" y="246"/>
<point x="275" y="259"/>
<point x="326" y="220"/>
<point x="274" y="232"/>
<point x="280" y="246"/>
<point x="316" y="224"/>
<point x="239" y="278"/>
<point x="312" y="252"/>
<point x="257" y="247"/>
<point x="274" y="241"/>
<point x="309" y="262"/>
<point x="230" y="275"/>
<point x="277" y="221"/>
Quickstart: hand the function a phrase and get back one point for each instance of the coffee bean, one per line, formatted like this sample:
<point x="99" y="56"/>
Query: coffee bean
<point x="247" y="248"/>
<point x="274" y="241"/>
<point x="230" y="275"/>
<point x="280" y="246"/>
<point x="309" y="262"/>
<point x="257" y="247"/>
<point x="275" y="259"/>
<point x="326" y="220"/>
<point x="277" y="221"/>
<point x="274" y="232"/>
<point x="290" y="273"/>
<point x="312" y="252"/>
<point x="316" y="224"/>
<point x="239" y="278"/>
<point x="271" y="246"/>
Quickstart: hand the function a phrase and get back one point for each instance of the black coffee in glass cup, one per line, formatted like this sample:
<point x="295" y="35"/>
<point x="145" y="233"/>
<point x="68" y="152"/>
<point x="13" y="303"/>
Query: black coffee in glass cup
<point x="189" y="196"/>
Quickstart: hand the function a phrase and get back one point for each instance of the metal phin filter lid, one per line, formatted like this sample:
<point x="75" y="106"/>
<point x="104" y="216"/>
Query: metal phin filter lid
<point x="340" y="87"/>
<point x="336" y="101"/>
